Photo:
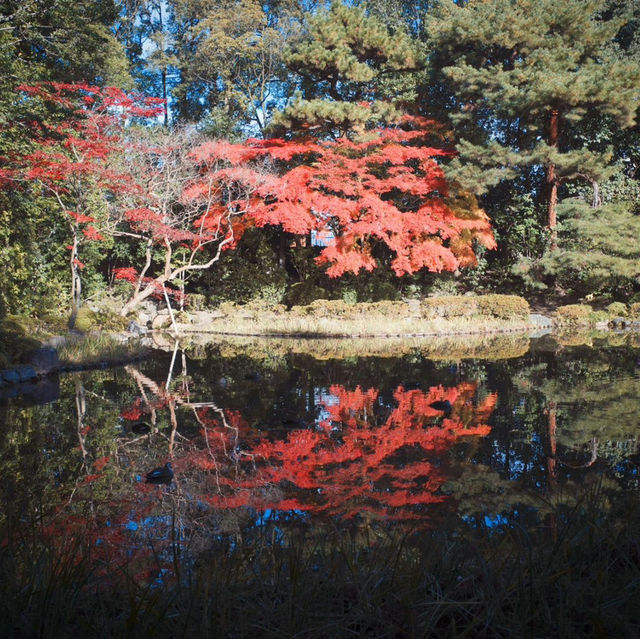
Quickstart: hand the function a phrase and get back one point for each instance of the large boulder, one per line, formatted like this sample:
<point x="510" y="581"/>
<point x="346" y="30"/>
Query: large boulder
<point x="45" y="360"/>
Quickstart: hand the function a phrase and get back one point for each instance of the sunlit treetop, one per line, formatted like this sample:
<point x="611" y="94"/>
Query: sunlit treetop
<point x="348" y="58"/>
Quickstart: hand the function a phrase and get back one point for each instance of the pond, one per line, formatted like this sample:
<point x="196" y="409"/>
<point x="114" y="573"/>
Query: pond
<point x="299" y="471"/>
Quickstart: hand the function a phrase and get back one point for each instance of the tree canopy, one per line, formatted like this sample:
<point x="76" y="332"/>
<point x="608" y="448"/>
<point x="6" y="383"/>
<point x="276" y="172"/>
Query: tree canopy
<point x="410" y="137"/>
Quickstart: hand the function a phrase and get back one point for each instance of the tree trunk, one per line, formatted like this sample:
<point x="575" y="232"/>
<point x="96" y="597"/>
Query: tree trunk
<point x="136" y="299"/>
<point x="551" y="457"/>
<point x="552" y="181"/>
<point x="76" y="282"/>
<point x="596" y="202"/>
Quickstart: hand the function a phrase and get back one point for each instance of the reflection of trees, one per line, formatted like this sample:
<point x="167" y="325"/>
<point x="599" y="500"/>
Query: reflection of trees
<point x="362" y="455"/>
<point x="292" y="434"/>
<point x="593" y="402"/>
<point x="565" y="416"/>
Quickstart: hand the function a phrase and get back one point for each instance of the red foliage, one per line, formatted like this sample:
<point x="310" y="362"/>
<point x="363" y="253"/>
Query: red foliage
<point x="351" y="462"/>
<point x="387" y="188"/>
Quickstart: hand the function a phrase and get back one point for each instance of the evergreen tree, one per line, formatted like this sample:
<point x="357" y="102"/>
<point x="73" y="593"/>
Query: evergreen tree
<point x="352" y="71"/>
<point x="598" y="249"/>
<point x="524" y="77"/>
<point x="230" y="56"/>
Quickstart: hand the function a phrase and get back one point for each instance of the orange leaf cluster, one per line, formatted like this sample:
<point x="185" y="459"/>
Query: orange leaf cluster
<point x="385" y="189"/>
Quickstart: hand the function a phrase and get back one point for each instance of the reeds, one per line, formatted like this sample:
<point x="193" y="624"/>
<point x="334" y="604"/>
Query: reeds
<point x="577" y="574"/>
<point x="98" y="349"/>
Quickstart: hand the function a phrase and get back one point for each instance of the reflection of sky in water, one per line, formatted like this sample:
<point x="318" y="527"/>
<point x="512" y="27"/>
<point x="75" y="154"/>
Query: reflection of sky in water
<point x="324" y="399"/>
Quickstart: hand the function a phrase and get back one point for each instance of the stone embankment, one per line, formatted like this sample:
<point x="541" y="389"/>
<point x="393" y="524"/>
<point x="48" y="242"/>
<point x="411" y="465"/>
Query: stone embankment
<point x="32" y="379"/>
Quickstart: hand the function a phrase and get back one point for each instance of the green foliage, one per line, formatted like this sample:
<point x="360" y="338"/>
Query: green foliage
<point x="230" y="55"/>
<point x="574" y="315"/>
<point x="60" y="40"/>
<point x="352" y="69"/>
<point x="16" y="339"/>
<point x="617" y="309"/>
<point x="349" y="296"/>
<point x="598" y="249"/>
<point x="504" y="307"/>
<point x="528" y="83"/>
<point x="196" y="301"/>
<point x="86" y="320"/>
<point x="251" y="270"/>
<point x="302" y="293"/>
<point x="520" y="63"/>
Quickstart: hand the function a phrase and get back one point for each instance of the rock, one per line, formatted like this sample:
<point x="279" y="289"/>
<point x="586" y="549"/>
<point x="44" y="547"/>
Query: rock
<point x="161" y="320"/>
<point x="26" y="373"/>
<point x="414" y="306"/>
<point x="540" y="321"/>
<point x="10" y="376"/>
<point x="56" y="341"/>
<point x="144" y="319"/>
<point x="45" y="360"/>
<point x="135" y="328"/>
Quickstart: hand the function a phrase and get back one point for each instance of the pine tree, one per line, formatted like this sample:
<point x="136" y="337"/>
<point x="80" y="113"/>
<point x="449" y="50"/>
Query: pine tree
<point x="597" y="250"/>
<point x="353" y="73"/>
<point x="525" y="74"/>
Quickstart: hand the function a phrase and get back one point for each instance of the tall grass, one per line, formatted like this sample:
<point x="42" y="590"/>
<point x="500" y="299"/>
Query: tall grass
<point x="576" y="576"/>
<point x="98" y="349"/>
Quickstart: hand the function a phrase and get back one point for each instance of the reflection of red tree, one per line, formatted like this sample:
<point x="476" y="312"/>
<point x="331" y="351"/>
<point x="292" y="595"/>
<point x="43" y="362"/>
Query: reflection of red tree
<point x="365" y="455"/>
<point x="362" y="456"/>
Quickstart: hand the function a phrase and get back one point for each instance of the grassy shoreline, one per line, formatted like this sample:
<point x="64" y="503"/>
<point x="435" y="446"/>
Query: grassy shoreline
<point x="335" y="319"/>
<point x="103" y="337"/>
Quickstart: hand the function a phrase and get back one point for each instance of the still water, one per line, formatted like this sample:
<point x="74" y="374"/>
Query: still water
<point x="299" y="434"/>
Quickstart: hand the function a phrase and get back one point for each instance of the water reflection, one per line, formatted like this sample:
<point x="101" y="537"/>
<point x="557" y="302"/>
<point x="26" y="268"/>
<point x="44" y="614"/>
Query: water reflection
<point x="363" y="454"/>
<point x="301" y="441"/>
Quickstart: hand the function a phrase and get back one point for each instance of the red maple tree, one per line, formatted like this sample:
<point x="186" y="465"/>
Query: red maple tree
<point x="71" y="157"/>
<point x="385" y="188"/>
<point x="184" y="214"/>
<point x="187" y="206"/>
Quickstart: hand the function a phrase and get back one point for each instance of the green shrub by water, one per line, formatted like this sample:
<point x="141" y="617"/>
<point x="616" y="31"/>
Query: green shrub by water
<point x="574" y="315"/>
<point x="617" y="309"/>
<point x="507" y="307"/>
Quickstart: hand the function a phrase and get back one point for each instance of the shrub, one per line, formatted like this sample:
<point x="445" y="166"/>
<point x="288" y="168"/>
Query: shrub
<point x="389" y="309"/>
<point x="227" y="308"/>
<point x="263" y="306"/>
<point x="16" y="342"/>
<point x="599" y="316"/>
<point x="634" y="310"/>
<point x="506" y="307"/>
<point x="302" y="293"/>
<point x="86" y="320"/>
<point x="196" y="301"/>
<point x="617" y="309"/>
<point x="503" y="306"/>
<point x="448" y="307"/>
<point x="350" y="296"/>
<point x="110" y="321"/>
<point x="330" y="308"/>
<point x="575" y="315"/>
